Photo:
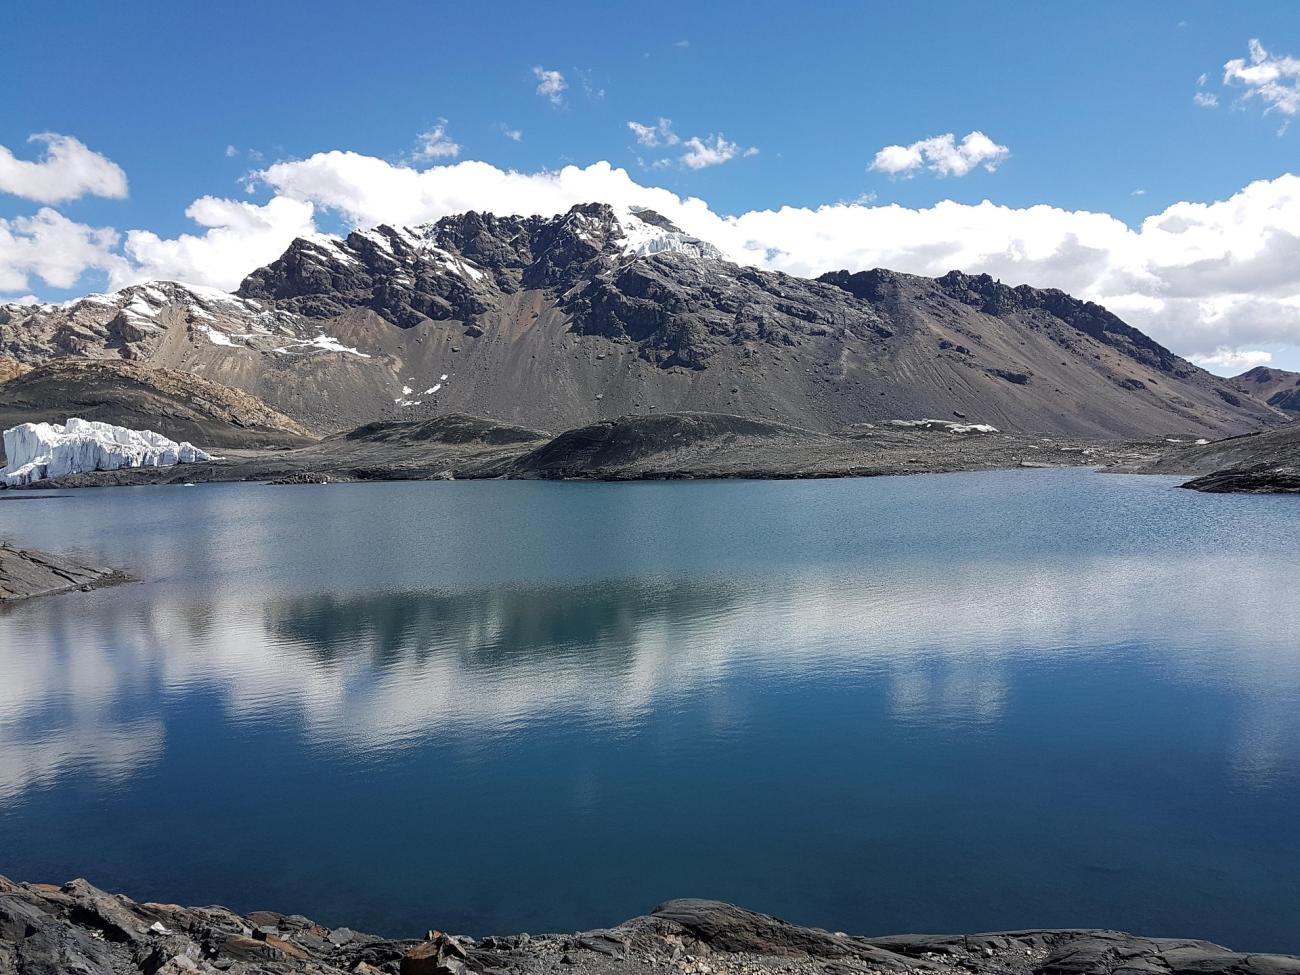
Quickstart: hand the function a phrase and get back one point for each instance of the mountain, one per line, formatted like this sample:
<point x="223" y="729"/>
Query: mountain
<point x="1277" y="387"/>
<point x="177" y="405"/>
<point x="560" y="322"/>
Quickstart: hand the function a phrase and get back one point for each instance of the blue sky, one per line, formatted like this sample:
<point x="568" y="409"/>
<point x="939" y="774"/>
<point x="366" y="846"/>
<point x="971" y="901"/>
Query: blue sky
<point x="1092" y="103"/>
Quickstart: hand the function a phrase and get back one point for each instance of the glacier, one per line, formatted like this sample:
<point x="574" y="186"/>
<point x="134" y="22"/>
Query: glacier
<point x="34" y="451"/>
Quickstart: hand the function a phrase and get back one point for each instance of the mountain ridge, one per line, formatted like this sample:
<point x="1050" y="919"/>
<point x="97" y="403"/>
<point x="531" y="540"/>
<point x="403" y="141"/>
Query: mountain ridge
<point x="603" y="312"/>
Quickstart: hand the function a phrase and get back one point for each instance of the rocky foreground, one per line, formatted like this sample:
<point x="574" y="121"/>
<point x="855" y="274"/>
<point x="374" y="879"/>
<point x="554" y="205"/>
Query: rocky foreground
<point x="78" y="929"/>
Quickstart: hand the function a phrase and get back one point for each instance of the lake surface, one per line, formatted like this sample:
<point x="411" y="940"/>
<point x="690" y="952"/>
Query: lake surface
<point x="941" y="703"/>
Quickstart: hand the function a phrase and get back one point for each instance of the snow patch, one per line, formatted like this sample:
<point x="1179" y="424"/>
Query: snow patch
<point x="323" y="343"/>
<point x="39" y="450"/>
<point x="948" y="425"/>
<point x="331" y="248"/>
<point x="215" y="336"/>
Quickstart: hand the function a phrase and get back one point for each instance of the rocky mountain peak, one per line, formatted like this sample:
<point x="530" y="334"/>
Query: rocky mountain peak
<point x="460" y="267"/>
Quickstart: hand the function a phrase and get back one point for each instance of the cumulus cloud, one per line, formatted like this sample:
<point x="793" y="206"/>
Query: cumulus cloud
<point x="238" y="237"/>
<point x="1200" y="277"/>
<point x="436" y="143"/>
<point x="514" y="135"/>
<point x="550" y="85"/>
<point x="54" y="249"/>
<point x="67" y="171"/>
<point x="1206" y="99"/>
<point x="712" y="150"/>
<point x="1230" y="362"/>
<point x="1273" y="79"/>
<point x="942" y="155"/>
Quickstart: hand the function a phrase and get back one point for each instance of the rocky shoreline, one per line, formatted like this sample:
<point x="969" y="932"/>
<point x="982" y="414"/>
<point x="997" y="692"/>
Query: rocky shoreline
<point x="25" y="573"/>
<point x="78" y="929"/>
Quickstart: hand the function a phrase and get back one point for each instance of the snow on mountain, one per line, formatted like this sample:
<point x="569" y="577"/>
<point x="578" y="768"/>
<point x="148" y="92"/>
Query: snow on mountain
<point x="39" y="450"/>
<point x="646" y="232"/>
<point x="133" y="322"/>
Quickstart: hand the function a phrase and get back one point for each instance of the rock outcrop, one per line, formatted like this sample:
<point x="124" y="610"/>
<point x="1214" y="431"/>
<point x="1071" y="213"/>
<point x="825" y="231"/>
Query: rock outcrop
<point x="25" y="573"/>
<point x="1260" y="463"/>
<point x="35" y="451"/>
<point x="77" y="928"/>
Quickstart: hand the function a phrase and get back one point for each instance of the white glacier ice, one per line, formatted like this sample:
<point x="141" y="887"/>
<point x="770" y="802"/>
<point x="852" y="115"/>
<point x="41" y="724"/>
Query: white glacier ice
<point x="38" y="450"/>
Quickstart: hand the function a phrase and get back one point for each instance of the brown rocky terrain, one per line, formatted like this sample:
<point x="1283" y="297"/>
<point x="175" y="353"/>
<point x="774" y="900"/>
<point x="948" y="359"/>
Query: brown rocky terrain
<point x="77" y="929"/>
<point x="599" y="314"/>
<point x="11" y="369"/>
<point x="176" y="404"/>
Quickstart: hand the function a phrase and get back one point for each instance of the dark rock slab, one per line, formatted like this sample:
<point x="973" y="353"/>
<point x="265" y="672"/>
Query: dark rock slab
<point x="26" y="572"/>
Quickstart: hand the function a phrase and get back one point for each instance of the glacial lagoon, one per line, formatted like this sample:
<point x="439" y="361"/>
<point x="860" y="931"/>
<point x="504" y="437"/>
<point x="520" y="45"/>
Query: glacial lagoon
<point x="944" y="703"/>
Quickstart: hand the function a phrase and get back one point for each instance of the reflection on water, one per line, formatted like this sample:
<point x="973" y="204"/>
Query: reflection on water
<point x="952" y="703"/>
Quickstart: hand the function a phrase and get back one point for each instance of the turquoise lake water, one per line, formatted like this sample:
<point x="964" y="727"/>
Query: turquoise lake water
<point x="939" y="703"/>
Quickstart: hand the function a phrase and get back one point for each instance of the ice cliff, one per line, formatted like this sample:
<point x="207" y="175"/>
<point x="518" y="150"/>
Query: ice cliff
<point x="39" y="450"/>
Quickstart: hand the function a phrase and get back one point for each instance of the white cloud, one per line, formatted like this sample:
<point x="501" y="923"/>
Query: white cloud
<point x="239" y="237"/>
<point x="69" y="170"/>
<point x="551" y="85"/>
<point x="1231" y="362"/>
<point x="231" y="152"/>
<point x="514" y="135"/>
<point x="436" y="143"/>
<point x="942" y="155"/>
<point x="1206" y="99"/>
<point x="1272" y="79"/>
<point x="713" y="150"/>
<point x="659" y="134"/>
<point x="53" y="248"/>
